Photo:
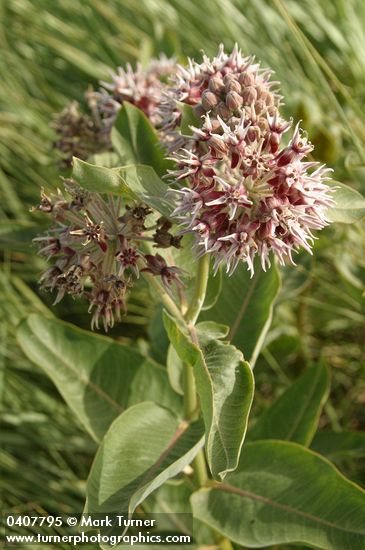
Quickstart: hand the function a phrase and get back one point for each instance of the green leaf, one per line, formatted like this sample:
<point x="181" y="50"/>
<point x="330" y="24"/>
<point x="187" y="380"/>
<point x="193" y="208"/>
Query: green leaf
<point x="134" y="182"/>
<point x="108" y="159"/>
<point x="339" y="445"/>
<point x="100" y="179"/>
<point x="294" y="416"/>
<point x="97" y="377"/>
<point x="206" y="331"/>
<point x="282" y="493"/>
<point x="350" y="205"/>
<point x="225" y="386"/>
<point x="159" y="342"/>
<point x="209" y="330"/>
<point x="147" y="187"/>
<point x="175" y="369"/>
<point x="172" y="503"/>
<point x="180" y="339"/>
<point x="144" y="447"/>
<point x="246" y="305"/>
<point x="136" y="141"/>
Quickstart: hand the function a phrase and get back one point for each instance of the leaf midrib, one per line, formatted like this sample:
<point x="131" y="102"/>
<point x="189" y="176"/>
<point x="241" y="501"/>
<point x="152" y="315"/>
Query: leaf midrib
<point x="85" y="381"/>
<point x="301" y="413"/>
<point x="242" y="311"/>
<point x="225" y="487"/>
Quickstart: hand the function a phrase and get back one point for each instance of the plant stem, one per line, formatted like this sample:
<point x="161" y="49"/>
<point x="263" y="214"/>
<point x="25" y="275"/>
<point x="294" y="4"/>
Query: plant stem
<point x="201" y="287"/>
<point x="200" y="469"/>
<point x="165" y="298"/>
<point x="190" y="400"/>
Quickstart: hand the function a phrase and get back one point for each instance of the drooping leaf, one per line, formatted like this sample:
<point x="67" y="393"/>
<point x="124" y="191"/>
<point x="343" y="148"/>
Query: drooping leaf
<point x="144" y="447"/>
<point x="225" y="386"/>
<point x="339" y="445"/>
<point x="134" y="182"/>
<point x="294" y="416"/>
<point x="207" y="330"/>
<point x="136" y="141"/>
<point x="180" y="339"/>
<point x="282" y="493"/>
<point x="245" y="305"/>
<point x="350" y="205"/>
<point x="97" y="377"/>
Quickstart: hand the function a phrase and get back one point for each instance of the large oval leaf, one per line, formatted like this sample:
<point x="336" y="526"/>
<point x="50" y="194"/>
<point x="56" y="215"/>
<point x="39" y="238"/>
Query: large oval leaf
<point x="283" y="493"/>
<point x="294" y="416"/>
<point x="143" y="448"/>
<point x="136" y="141"/>
<point x="225" y="385"/>
<point x="245" y="305"/>
<point x="97" y="377"/>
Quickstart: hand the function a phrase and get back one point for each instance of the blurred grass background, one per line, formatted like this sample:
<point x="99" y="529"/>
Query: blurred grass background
<point x="49" y="53"/>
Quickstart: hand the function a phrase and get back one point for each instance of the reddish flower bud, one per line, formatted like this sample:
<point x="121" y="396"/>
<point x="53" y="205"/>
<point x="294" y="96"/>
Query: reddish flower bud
<point x="233" y="101"/>
<point x="209" y="100"/>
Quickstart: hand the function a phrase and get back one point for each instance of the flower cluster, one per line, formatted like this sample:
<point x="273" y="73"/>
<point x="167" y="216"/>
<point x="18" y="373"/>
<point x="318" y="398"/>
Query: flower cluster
<point x="240" y="188"/>
<point x="97" y="250"/>
<point x="245" y="194"/>
<point x="81" y="135"/>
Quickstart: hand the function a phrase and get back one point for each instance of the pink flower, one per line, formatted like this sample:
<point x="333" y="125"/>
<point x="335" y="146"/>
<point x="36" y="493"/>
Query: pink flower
<point x="244" y="195"/>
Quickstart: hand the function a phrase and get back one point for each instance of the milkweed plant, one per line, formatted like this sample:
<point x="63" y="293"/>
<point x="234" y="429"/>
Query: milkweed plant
<point x="188" y="180"/>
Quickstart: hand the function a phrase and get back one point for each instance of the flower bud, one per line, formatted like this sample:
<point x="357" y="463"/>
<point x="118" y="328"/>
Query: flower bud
<point x="263" y="124"/>
<point x="260" y="106"/>
<point x="209" y="100"/>
<point x="215" y="124"/>
<point x="199" y="110"/>
<point x="233" y="122"/>
<point x="233" y="101"/>
<point x="274" y="141"/>
<point x="253" y="133"/>
<point x="228" y="78"/>
<point x="233" y="86"/>
<point x="246" y="79"/>
<point x="249" y="95"/>
<point x="218" y="144"/>
<point x="216" y="84"/>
